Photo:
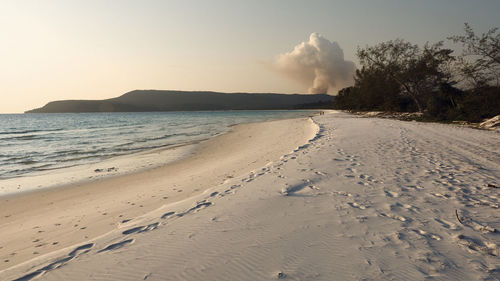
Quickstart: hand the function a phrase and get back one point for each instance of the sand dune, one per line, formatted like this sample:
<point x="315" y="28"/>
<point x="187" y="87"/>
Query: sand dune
<point x="365" y="199"/>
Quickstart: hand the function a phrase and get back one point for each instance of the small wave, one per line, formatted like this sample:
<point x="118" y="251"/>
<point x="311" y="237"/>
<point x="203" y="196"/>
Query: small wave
<point x="157" y="138"/>
<point x="77" y="159"/>
<point x="70" y="152"/>
<point x="124" y="149"/>
<point x="60" y="154"/>
<point x="17" y="173"/>
<point x="27" y="162"/>
<point x="29" y="131"/>
<point x="9" y="159"/>
<point x="171" y="135"/>
<point x="18" y="138"/>
<point x="12" y="159"/>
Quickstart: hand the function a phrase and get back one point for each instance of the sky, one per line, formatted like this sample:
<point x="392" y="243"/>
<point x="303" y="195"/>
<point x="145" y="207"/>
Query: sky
<point x="98" y="49"/>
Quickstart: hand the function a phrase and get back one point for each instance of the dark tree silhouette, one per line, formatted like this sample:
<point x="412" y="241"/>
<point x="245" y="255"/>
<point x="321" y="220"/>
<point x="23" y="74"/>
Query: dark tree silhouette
<point x="400" y="76"/>
<point x="479" y="63"/>
<point x="417" y="71"/>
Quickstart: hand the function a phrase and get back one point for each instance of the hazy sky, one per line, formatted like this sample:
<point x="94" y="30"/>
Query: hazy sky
<point x="87" y="49"/>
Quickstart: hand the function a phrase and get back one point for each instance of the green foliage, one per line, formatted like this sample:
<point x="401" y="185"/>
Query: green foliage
<point x="373" y="91"/>
<point x="416" y="70"/>
<point x="399" y="76"/>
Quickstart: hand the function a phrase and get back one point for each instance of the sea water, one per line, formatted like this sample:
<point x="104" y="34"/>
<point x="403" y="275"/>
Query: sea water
<point x="33" y="143"/>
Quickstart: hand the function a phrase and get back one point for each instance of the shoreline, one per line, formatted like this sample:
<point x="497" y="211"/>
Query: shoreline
<point x="116" y="165"/>
<point x="41" y="222"/>
<point x="365" y="198"/>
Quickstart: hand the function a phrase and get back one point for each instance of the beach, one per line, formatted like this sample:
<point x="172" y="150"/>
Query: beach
<point x="333" y="197"/>
<point x="60" y="217"/>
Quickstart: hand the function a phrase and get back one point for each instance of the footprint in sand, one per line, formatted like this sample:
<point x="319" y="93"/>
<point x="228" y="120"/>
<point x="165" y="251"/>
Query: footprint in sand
<point x="474" y="245"/>
<point x="366" y="178"/>
<point x="319" y="173"/>
<point x="483" y="228"/>
<point x="140" y="229"/>
<point x="81" y="249"/>
<point x="343" y="193"/>
<point x="166" y="215"/>
<point x="356" y="205"/>
<point x="424" y="233"/>
<point x="415" y="187"/>
<point x="362" y="218"/>
<point x="200" y="205"/>
<point x="439" y="195"/>
<point x="227" y="191"/>
<point x="411" y="208"/>
<point x="391" y="194"/>
<point x="117" y="245"/>
<point x="58" y="263"/>
<point x="395" y="217"/>
<point x="447" y="224"/>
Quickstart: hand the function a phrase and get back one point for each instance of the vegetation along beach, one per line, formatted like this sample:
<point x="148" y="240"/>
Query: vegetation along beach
<point x="250" y="140"/>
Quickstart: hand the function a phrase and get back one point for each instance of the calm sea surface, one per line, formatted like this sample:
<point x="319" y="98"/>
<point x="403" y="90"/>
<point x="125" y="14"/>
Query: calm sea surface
<point x="30" y="143"/>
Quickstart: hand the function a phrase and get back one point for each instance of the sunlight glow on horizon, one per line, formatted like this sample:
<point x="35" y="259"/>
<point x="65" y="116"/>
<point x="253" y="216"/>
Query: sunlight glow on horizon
<point x="54" y="50"/>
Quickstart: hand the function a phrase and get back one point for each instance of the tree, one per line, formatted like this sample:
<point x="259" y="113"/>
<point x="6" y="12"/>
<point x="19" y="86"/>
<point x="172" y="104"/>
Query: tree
<point x="377" y="91"/>
<point x="479" y="62"/>
<point x="417" y="71"/>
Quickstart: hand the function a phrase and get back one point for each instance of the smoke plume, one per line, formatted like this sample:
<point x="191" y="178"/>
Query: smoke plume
<point x="317" y="63"/>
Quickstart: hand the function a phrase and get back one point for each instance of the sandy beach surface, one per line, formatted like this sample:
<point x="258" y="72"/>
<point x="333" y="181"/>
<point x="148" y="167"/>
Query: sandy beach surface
<point x="343" y="198"/>
<point x="34" y="224"/>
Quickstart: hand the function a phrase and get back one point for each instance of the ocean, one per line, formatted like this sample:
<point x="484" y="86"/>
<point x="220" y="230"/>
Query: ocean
<point x="34" y="143"/>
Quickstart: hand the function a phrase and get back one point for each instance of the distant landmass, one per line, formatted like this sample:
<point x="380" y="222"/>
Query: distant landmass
<point x="156" y="100"/>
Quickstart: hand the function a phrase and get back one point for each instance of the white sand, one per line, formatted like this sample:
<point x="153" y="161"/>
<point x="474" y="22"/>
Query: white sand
<point x="111" y="167"/>
<point x="366" y="199"/>
<point x="35" y="224"/>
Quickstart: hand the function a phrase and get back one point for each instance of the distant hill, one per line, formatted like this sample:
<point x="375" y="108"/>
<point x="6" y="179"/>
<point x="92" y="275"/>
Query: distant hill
<point x="155" y="100"/>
